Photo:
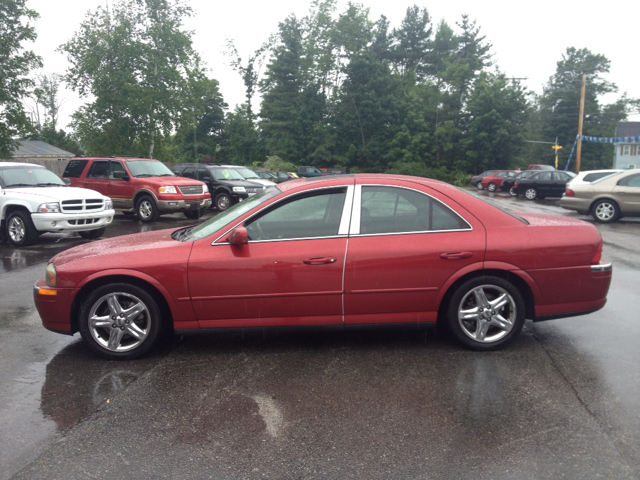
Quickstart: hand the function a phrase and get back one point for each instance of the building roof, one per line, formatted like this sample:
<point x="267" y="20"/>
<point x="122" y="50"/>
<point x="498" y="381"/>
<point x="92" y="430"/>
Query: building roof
<point x="37" y="148"/>
<point x="628" y="129"/>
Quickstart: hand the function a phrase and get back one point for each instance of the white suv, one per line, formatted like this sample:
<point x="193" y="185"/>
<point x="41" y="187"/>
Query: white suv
<point x="34" y="200"/>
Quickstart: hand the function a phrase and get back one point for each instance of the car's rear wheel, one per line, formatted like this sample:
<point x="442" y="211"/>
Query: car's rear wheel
<point x="146" y="209"/>
<point x="486" y="313"/>
<point x="530" y="193"/>
<point x="491" y="187"/>
<point x="222" y="202"/>
<point x="120" y="321"/>
<point x="91" y="234"/>
<point x="479" y="186"/>
<point x="513" y="192"/>
<point x="605" y="211"/>
<point x="20" y="229"/>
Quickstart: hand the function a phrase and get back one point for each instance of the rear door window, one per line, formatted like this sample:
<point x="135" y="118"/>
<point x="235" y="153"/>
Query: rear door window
<point x="75" y="168"/>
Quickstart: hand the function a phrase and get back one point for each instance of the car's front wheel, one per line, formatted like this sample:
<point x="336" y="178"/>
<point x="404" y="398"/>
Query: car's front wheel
<point x="20" y="229"/>
<point x="491" y="187"/>
<point x="530" y="194"/>
<point x="479" y="186"/>
<point x="486" y="313"/>
<point x="222" y="202"/>
<point x="605" y="211"/>
<point x="91" y="234"/>
<point x="146" y="209"/>
<point x="120" y="321"/>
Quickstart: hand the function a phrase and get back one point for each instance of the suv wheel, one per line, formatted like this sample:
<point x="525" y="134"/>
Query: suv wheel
<point x="222" y="202"/>
<point x="20" y="229"/>
<point x="146" y="209"/>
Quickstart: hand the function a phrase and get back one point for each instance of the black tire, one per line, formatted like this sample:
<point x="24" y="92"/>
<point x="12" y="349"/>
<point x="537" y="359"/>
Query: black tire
<point x="106" y="328"/>
<point x="222" y="201"/>
<point x="530" y="193"/>
<point x="491" y="187"/>
<point x="605" y="211"/>
<point x="146" y="209"/>
<point x="20" y="230"/>
<point x="513" y="192"/>
<point x="193" y="215"/>
<point x="479" y="186"/>
<point x="91" y="234"/>
<point x="492" y="325"/>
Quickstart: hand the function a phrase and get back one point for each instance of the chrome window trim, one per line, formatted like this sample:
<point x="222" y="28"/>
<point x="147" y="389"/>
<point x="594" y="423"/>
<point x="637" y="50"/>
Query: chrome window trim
<point x="357" y="205"/>
<point x="339" y="235"/>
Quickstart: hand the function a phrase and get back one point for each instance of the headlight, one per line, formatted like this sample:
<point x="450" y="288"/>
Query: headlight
<point x="108" y="204"/>
<point x="51" y="277"/>
<point x="206" y="189"/>
<point x="168" y="189"/>
<point x="49" y="208"/>
<point x="239" y="189"/>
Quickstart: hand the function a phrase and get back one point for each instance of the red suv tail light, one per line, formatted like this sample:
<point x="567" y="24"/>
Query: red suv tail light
<point x="515" y="184"/>
<point x="598" y="255"/>
<point x="569" y="193"/>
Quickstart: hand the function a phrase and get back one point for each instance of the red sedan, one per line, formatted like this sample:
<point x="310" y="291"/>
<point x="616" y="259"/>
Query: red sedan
<point x="347" y="250"/>
<point x="493" y="181"/>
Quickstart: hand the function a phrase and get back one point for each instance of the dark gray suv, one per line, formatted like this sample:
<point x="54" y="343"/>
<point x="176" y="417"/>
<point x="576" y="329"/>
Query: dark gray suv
<point x="227" y="186"/>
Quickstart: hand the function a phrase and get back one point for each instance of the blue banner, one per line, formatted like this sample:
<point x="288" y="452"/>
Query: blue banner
<point x="601" y="140"/>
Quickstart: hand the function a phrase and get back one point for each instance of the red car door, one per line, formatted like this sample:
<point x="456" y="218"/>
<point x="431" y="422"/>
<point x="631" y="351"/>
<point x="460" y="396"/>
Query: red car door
<point x="290" y="272"/>
<point x="405" y="244"/>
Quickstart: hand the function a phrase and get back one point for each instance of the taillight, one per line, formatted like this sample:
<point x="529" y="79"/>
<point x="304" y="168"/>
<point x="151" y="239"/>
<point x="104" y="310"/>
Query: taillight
<point x="598" y="255"/>
<point x="569" y="193"/>
<point x="515" y="184"/>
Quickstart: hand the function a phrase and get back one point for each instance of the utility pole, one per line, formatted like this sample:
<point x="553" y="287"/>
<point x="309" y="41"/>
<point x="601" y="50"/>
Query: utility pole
<point x="579" y="145"/>
<point x="556" y="147"/>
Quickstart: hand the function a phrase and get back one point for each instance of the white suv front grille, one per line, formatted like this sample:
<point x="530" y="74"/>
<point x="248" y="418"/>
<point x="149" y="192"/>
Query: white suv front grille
<point x="86" y="205"/>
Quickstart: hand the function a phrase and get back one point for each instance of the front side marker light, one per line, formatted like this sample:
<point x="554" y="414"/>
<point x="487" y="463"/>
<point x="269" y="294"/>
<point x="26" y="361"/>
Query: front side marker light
<point x="51" y="276"/>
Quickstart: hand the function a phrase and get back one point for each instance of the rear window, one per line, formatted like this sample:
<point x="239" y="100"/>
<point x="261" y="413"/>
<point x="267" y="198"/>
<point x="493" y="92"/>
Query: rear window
<point x="74" y="168"/>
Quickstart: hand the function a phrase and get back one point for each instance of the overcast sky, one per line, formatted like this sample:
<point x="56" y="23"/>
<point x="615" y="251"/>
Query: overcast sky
<point x="528" y="38"/>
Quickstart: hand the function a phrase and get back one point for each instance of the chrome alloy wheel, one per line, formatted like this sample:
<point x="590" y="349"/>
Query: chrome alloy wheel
<point x="119" y="322"/>
<point x="605" y="211"/>
<point x="487" y="313"/>
<point x="17" y="229"/>
<point x="145" y="208"/>
<point x="530" y="194"/>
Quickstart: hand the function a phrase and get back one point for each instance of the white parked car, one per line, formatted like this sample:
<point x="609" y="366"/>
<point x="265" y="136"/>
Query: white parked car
<point x="250" y="175"/>
<point x="589" y="176"/>
<point x="34" y="200"/>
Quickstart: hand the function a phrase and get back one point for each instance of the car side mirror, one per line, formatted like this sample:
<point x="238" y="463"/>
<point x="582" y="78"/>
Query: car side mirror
<point x="66" y="181"/>
<point x="238" y="236"/>
<point x="120" y="175"/>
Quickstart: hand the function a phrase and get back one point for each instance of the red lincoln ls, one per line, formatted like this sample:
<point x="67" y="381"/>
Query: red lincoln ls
<point x="341" y="250"/>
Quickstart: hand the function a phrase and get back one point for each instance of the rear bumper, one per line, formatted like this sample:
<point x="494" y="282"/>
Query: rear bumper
<point x="581" y="205"/>
<point x="585" y="291"/>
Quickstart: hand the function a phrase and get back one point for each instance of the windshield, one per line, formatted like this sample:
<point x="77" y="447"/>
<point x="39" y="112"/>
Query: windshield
<point x="246" y="173"/>
<point x="226" y="174"/>
<point x="29" y="177"/>
<point x="231" y="214"/>
<point x="148" y="168"/>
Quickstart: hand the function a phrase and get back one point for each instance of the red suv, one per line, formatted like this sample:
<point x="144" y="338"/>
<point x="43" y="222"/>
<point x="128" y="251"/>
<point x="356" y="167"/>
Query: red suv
<point x="141" y="185"/>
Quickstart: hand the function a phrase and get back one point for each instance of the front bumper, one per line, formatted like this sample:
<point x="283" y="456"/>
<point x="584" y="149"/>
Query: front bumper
<point x="54" y="306"/>
<point x="182" y="205"/>
<point x="72" y="222"/>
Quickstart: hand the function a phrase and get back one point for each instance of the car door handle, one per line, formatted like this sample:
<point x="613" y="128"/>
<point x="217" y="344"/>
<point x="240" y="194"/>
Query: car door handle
<point x="456" y="255"/>
<point x="319" y="260"/>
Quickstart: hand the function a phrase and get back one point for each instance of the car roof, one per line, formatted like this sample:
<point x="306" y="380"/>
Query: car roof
<point x="20" y="164"/>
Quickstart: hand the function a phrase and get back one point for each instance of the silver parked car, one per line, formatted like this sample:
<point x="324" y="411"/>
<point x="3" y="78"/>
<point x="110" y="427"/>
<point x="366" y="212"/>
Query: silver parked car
<point x="607" y="199"/>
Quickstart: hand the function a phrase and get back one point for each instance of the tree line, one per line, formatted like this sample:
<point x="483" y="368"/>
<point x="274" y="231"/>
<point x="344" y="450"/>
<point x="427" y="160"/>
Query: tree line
<point x="330" y="89"/>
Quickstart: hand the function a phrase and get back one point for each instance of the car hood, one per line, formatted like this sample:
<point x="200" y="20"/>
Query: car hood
<point x="261" y="181"/>
<point x="122" y="248"/>
<point x="53" y="193"/>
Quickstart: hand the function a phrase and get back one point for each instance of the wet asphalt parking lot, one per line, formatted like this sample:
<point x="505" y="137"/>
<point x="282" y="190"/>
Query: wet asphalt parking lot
<point x="563" y="401"/>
